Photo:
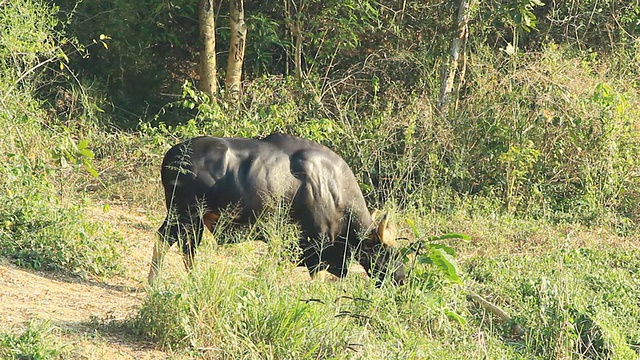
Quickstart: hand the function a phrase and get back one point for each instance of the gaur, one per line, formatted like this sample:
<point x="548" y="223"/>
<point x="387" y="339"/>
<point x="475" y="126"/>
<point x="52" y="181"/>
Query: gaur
<point x="206" y="175"/>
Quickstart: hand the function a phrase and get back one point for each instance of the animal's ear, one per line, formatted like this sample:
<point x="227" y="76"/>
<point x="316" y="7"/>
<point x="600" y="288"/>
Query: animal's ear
<point x="386" y="231"/>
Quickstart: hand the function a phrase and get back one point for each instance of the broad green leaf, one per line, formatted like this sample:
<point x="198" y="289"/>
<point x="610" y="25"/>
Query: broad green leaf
<point x="91" y="170"/>
<point x="449" y="250"/>
<point x="447" y="264"/>
<point x="452" y="315"/>
<point x="424" y="259"/>
<point x="86" y="153"/>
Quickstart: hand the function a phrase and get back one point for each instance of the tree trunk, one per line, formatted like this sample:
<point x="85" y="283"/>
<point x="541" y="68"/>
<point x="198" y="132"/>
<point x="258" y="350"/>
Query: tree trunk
<point x="233" y="80"/>
<point x="451" y="66"/>
<point x="208" y="78"/>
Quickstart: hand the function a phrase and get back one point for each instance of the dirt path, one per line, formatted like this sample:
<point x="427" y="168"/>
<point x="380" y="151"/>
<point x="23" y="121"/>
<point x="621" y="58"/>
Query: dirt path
<point x="85" y="312"/>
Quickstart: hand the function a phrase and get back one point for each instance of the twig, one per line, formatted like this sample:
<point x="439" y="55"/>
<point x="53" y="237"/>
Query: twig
<point x="354" y="347"/>
<point x="312" y="300"/>
<point x="210" y="348"/>
<point x="51" y="59"/>
<point x="495" y="310"/>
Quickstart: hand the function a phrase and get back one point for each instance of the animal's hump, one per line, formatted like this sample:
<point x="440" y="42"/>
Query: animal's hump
<point x="291" y="144"/>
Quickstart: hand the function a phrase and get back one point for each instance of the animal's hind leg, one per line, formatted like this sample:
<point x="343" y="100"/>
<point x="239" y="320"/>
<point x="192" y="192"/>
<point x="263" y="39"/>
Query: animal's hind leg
<point x="160" y="247"/>
<point x="310" y="257"/>
<point x="166" y="237"/>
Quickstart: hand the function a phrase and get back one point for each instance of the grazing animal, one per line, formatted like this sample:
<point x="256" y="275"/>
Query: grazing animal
<point x="205" y="175"/>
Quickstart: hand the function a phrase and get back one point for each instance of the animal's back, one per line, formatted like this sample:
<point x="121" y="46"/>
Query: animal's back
<point x="220" y="172"/>
<point x="329" y="198"/>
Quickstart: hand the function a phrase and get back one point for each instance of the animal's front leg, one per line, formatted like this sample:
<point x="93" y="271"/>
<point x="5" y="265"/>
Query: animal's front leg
<point x="166" y="237"/>
<point x="336" y="256"/>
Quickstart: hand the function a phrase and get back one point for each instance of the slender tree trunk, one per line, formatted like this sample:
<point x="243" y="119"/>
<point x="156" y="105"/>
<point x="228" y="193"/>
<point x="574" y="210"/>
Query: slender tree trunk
<point x="298" y="55"/>
<point x="451" y="66"/>
<point x="295" y="27"/>
<point x="233" y="80"/>
<point x="208" y="78"/>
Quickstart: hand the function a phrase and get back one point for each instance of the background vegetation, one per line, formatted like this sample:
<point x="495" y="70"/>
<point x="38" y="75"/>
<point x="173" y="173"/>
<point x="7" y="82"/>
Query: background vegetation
<point x="537" y="160"/>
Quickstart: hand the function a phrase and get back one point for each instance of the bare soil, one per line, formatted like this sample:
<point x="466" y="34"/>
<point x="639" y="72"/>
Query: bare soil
<point x="88" y="313"/>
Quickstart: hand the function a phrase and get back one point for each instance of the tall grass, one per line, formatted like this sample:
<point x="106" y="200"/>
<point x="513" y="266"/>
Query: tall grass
<point x="247" y="301"/>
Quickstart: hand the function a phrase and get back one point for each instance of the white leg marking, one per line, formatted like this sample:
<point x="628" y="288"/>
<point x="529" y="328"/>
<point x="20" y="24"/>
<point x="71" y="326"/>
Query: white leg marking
<point x="159" y="249"/>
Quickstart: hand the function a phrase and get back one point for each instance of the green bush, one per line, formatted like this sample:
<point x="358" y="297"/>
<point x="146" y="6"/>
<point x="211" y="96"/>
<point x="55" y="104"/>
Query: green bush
<point x="550" y="136"/>
<point x="43" y="222"/>
<point x="27" y="36"/>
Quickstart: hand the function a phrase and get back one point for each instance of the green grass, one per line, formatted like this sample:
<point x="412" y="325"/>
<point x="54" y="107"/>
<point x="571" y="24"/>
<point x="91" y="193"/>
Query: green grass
<point x="575" y="302"/>
<point x="38" y="236"/>
<point x="245" y="301"/>
<point x="36" y="342"/>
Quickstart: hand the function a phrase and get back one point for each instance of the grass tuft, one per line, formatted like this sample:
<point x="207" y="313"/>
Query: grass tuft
<point x="36" y="342"/>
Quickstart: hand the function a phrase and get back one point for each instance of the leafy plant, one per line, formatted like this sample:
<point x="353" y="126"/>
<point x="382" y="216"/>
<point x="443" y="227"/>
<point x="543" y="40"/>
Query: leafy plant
<point x="75" y="154"/>
<point x="431" y="251"/>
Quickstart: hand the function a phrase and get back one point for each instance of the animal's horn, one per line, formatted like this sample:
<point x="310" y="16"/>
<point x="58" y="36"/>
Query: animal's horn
<point x="382" y="223"/>
<point x="386" y="232"/>
<point x="375" y="214"/>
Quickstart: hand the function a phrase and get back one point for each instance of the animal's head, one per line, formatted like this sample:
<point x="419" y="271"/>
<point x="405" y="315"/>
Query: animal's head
<point x="380" y="254"/>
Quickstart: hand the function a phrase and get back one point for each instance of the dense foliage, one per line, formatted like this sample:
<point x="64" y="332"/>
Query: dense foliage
<point x="42" y="224"/>
<point x="542" y="121"/>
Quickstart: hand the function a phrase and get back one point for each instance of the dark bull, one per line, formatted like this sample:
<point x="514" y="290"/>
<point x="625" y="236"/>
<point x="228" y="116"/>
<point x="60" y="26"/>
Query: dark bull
<point x="205" y="175"/>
